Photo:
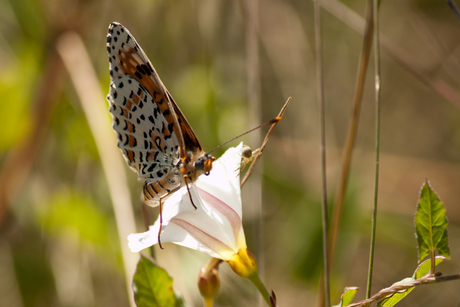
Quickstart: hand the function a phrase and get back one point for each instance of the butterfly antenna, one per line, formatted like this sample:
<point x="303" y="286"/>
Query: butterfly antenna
<point x="270" y="122"/>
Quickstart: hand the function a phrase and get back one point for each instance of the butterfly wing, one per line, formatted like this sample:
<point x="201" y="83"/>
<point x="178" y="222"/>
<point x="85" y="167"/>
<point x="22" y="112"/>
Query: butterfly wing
<point x="142" y="131"/>
<point x="145" y="124"/>
<point x="127" y="57"/>
<point x="153" y="134"/>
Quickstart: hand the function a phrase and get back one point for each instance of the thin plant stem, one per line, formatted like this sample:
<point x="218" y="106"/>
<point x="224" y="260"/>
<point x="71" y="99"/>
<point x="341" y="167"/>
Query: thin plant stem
<point x="351" y="138"/>
<point x="377" y="142"/>
<point x="208" y="301"/>
<point x="353" y="128"/>
<point x="320" y="93"/>
<point x="264" y="143"/>
<point x="401" y="287"/>
<point x="395" y="52"/>
<point x="256" y="281"/>
<point x="433" y="263"/>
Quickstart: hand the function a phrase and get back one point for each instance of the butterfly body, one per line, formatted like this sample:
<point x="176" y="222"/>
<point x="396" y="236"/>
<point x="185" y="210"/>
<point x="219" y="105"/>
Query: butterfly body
<point x="153" y="134"/>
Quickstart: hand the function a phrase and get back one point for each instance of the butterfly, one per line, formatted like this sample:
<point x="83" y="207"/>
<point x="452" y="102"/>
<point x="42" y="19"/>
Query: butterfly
<point x="153" y="134"/>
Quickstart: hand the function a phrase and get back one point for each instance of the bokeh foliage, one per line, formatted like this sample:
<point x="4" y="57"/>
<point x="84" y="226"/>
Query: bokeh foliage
<point x="58" y="240"/>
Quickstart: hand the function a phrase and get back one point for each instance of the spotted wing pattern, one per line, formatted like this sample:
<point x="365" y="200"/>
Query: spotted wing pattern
<point x="144" y="125"/>
<point x="147" y="122"/>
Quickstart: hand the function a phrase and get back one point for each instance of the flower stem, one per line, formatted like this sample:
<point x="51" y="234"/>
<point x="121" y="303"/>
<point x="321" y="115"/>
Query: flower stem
<point x="255" y="279"/>
<point x="208" y="301"/>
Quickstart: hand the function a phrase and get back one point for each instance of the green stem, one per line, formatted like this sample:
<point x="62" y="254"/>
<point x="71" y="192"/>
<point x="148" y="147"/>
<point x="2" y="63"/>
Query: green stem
<point x="208" y="301"/>
<point x="320" y="85"/>
<point x="255" y="279"/>
<point x="375" y="4"/>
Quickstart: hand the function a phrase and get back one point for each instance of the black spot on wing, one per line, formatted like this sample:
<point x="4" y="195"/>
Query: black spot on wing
<point x="152" y="167"/>
<point x="146" y="69"/>
<point x="170" y="127"/>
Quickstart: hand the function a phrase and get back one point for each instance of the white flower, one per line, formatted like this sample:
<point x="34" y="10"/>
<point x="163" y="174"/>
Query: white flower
<point x="215" y="227"/>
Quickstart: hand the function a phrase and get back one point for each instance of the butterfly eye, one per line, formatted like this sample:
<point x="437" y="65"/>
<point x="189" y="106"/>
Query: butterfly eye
<point x="199" y="164"/>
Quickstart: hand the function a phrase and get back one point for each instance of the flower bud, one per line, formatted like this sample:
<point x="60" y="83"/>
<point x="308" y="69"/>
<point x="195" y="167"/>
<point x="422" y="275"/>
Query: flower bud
<point x="208" y="283"/>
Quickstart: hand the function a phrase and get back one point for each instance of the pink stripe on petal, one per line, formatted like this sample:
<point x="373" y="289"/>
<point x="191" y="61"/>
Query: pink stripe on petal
<point x="203" y="237"/>
<point x="224" y="209"/>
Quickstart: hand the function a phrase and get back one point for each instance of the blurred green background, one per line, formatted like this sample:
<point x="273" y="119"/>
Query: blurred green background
<point x="59" y="244"/>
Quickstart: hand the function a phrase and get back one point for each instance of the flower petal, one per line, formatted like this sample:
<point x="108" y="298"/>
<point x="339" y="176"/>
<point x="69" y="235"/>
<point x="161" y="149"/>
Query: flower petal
<point x="223" y="181"/>
<point x="215" y="227"/>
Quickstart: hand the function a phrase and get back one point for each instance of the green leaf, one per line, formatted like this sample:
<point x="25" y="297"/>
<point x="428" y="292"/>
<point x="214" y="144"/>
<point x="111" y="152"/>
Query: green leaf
<point x="398" y="296"/>
<point x="431" y="224"/>
<point x="347" y="296"/>
<point x="153" y="286"/>
<point x="424" y="267"/>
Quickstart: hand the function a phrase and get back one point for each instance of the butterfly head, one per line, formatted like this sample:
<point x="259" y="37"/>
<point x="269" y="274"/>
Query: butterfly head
<point x="198" y="165"/>
<point x="204" y="163"/>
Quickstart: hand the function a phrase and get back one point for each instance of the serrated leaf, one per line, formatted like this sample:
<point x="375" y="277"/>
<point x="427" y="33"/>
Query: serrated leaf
<point x="431" y="224"/>
<point x="153" y="287"/>
<point x="347" y="296"/>
<point x="398" y="296"/>
<point x="424" y="267"/>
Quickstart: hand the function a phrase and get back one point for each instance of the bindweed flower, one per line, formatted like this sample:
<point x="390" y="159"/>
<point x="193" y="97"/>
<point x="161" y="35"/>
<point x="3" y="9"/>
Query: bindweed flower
<point x="215" y="227"/>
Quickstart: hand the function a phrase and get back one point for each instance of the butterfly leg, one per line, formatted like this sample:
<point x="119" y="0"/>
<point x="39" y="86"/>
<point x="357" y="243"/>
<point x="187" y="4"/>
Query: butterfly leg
<point x="161" y="213"/>
<point x="161" y="224"/>
<point x="188" y="190"/>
